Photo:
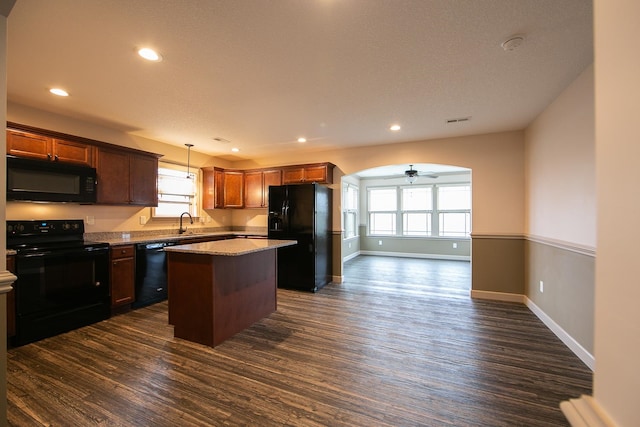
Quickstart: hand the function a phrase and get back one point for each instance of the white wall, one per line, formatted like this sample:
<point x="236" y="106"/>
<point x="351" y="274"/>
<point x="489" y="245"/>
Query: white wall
<point x="617" y="94"/>
<point x="560" y="167"/>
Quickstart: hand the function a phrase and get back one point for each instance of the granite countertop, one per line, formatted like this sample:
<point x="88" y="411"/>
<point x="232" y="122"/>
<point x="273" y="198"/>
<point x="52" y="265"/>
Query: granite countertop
<point x="116" y="241"/>
<point x="231" y="247"/>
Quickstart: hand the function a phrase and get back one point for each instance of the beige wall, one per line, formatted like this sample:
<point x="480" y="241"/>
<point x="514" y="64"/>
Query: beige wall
<point x="617" y="91"/>
<point x="561" y="212"/>
<point x="496" y="160"/>
<point x="560" y="167"/>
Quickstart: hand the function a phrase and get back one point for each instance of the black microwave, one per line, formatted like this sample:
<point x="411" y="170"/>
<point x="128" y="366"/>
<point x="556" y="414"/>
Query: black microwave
<point x="46" y="181"/>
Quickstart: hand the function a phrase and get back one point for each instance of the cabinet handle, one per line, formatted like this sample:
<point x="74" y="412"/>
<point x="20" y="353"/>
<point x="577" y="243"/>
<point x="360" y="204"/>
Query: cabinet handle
<point x="55" y="158"/>
<point x="49" y="156"/>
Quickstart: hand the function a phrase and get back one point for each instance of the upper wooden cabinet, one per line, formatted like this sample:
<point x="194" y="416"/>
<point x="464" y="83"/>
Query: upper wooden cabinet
<point x="233" y="189"/>
<point x="256" y="187"/>
<point x="222" y="189"/>
<point x="27" y="144"/>
<point x="322" y="173"/>
<point x="212" y="188"/>
<point x="126" y="178"/>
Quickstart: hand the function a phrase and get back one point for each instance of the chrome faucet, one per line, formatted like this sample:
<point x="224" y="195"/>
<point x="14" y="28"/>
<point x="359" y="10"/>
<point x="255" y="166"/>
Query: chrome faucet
<point x="180" y="230"/>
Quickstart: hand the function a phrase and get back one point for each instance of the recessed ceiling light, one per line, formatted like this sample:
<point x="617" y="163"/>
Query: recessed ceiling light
<point x="235" y="149"/>
<point x="150" y="54"/>
<point x="59" y="92"/>
<point x="301" y="139"/>
<point x="394" y="128"/>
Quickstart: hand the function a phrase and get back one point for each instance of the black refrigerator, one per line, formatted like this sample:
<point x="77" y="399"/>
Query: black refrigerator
<point x="302" y="212"/>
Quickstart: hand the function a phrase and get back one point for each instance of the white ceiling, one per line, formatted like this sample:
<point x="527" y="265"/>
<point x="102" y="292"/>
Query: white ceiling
<point x="262" y="73"/>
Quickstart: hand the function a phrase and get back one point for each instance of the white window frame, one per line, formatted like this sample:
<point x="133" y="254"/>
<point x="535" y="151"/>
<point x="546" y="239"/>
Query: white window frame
<point x="433" y="214"/>
<point x="350" y="211"/>
<point x="371" y="214"/>
<point x="188" y="199"/>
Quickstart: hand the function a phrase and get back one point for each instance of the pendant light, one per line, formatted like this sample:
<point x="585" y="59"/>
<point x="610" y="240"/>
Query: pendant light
<point x="188" y="159"/>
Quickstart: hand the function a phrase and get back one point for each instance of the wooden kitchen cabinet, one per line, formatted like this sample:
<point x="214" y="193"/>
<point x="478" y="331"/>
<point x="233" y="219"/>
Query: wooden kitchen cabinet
<point x="322" y="173"/>
<point x="222" y="188"/>
<point x="212" y="188"/>
<point x="122" y="275"/>
<point x="11" y="299"/>
<point x="126" y="178"/>
<point x="36" y="146"/>
<point x="256" y="187"/>
<point x="233" y="189"/>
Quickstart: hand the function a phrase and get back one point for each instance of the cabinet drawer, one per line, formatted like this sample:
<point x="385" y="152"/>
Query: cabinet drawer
<point x="122" y="251"/>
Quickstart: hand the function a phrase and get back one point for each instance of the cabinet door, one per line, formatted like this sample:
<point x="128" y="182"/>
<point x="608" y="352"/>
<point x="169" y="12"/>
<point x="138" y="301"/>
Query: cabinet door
<point x="253" y="189"/>
<point x="24" y="144"/>
<point x="315" y="173"/>
<point x="112" y="169"/>
<point x="218" y="188"/>
<point x="293" y="175"/>
<point x="212" y="189"/>
<point x="273" y="177"/>
<point x="122" y="275"/>
<point x="233" y="189"/>
<point x="144" y="180"/>
<point x="208" y="189"/>
<point x="72" y="152"/>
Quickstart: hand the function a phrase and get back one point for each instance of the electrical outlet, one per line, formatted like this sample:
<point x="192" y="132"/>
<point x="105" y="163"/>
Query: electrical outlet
<point x="143" y="220"/>
<point x="455" y="246"/>
<point x="349" y="245"/>
<point x="379" y="242"/>
<point x="541" y="286"/>
<point x="90" y="220"/>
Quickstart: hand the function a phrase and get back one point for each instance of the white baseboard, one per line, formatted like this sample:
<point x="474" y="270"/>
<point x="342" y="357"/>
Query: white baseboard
<point x="498" y="296"/>
<point x="417" y="255"/>
<point x="352" y="256"/>
<point x="567" y="339"/>
<point x="586" y="357"/>
<point x="585" y="412"/>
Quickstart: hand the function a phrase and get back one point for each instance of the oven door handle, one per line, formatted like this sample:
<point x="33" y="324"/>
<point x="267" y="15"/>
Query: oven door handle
<point x="65" y="252"/>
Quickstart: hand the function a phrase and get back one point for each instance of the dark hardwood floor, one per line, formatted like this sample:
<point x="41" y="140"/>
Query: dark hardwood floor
<point x="399" y="343"/>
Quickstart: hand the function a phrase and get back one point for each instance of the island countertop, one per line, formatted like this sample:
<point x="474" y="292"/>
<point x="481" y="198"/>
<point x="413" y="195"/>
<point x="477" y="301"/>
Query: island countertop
<point x="231" y="247"/>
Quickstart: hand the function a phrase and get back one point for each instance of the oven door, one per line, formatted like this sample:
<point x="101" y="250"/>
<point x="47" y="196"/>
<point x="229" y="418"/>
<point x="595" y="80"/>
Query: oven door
<point x="60" y="290"/>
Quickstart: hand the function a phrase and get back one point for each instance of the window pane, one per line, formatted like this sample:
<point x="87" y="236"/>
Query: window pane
<point x="171" y="209"/>
<point x="382" y="223"/>
<point x="417" y="199"/>
<point x="416" y="224"/>
<point x="349" y="224"/>
<point x="454" y="197"/>
<point x="455" y="224"/>
<point x="177" y="191"/>
<point x="351" y="198"/>
<point x="382" y="199"/>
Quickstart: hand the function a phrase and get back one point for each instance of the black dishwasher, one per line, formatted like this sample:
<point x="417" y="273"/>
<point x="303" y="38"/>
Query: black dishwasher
<point x="151" y="273"/>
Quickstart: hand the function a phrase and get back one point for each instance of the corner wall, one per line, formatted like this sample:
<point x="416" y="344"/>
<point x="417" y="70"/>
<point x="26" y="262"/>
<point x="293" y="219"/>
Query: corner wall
<point x="561" y="215"/>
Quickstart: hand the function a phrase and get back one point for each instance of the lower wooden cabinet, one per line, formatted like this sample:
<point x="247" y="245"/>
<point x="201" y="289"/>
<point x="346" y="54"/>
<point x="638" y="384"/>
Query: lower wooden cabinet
<point x="122" y="275"/>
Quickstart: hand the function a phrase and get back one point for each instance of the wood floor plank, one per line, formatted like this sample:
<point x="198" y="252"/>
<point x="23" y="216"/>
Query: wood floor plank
<point x="399" y="343"/>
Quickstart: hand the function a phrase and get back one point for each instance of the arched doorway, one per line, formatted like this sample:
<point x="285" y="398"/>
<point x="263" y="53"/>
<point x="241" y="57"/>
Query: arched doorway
<point x="407" y="211"/>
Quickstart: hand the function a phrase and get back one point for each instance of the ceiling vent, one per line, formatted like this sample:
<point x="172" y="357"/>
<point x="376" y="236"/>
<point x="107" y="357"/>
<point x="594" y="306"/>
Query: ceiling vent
<point x="459" y="120"/>
<point x="221" y="140"/>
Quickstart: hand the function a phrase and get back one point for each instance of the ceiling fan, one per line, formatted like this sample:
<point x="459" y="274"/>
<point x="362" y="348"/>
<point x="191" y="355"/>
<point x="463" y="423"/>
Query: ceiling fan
<point x="411" y="175"/>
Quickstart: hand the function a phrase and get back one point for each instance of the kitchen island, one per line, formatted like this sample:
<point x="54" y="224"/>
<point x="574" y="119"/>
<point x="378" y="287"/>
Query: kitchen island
<point x="217" y="289"/>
